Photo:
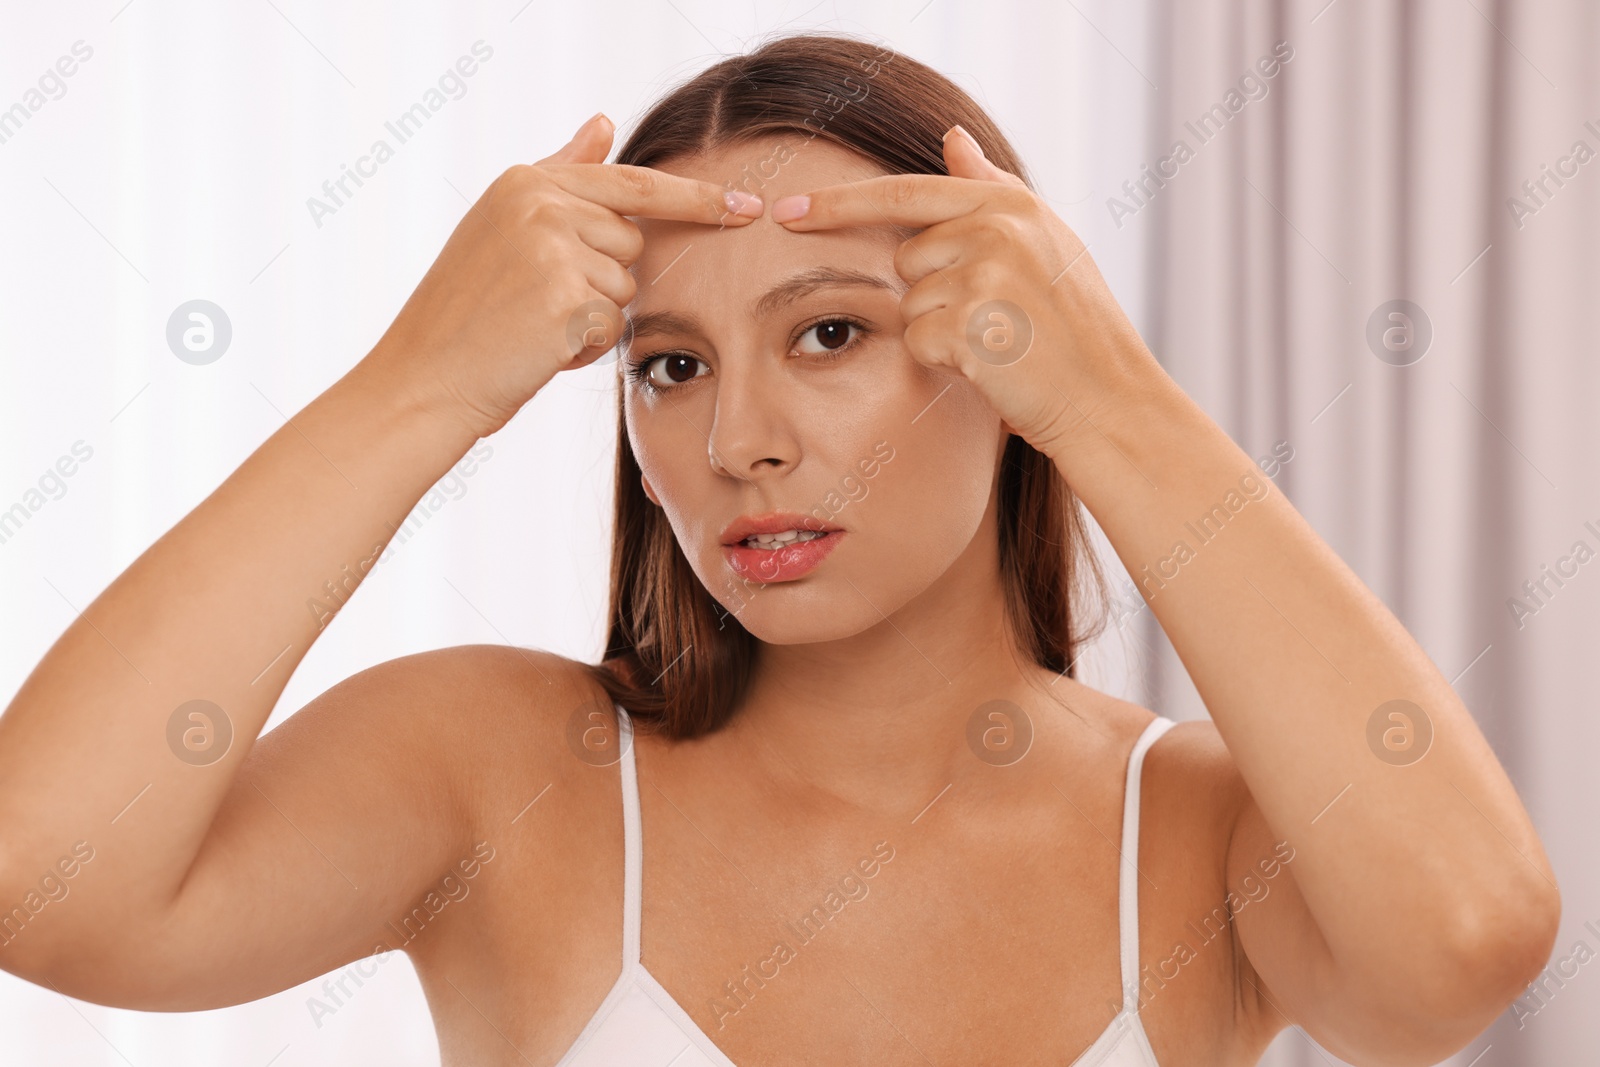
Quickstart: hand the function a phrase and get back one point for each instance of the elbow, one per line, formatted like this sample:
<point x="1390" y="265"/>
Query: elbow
<point x="1499" y="948"/>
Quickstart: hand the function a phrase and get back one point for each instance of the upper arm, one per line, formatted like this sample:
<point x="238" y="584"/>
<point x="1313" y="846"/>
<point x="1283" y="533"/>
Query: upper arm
<point x="337" y="821"/>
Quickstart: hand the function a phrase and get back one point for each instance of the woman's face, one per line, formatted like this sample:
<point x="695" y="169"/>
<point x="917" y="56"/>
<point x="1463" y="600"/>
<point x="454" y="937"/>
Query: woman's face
<point x="775" y="380"/>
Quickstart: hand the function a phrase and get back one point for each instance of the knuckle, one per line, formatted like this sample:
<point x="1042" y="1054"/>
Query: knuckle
<point x="514" y="178"/>
<point x="569" y="291"/>
<point x="639" y="180"/>
<point x="1018" y="200"/>
<point x="900" y="190"/>
<point x="626" y="286"/>
<point x="632" y="244"/>
<point x="541" y="208"/>
<point x="921" y="337"/>
<point x="908" y="256"/>
<point x="1009" y="227"/>
<point x="987" y="275"/>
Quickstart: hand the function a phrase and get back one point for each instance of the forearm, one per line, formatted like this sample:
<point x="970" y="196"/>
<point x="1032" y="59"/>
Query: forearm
<point x="221" y="608"/>
<point x="1293" y="656"/>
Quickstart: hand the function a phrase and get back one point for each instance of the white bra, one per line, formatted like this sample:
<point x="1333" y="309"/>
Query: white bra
<point x="639" y="1024"/>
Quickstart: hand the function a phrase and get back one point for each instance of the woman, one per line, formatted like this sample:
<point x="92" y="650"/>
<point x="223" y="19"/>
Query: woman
<point x="886" y="822"/>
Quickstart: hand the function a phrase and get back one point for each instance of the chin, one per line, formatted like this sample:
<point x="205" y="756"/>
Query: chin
<point x="776" y="624"/>
<point x="828" y="605"/>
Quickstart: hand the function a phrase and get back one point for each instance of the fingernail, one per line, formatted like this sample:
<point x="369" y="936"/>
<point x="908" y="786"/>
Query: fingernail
<point x="789" y="208"/>
<point x="973" y="141"/>
<point x="743" y="204"/>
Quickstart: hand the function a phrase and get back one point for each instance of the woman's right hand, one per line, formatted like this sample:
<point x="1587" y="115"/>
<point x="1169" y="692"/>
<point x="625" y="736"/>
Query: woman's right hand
<point x="533" y="280"/>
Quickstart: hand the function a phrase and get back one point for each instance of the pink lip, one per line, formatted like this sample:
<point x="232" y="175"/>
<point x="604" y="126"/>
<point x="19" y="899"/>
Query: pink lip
<point x="781" y="564"/>
<point x="770" y="523"/>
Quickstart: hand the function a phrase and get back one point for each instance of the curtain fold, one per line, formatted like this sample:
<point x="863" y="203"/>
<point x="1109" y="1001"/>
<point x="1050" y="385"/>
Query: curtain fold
<point x="1433" y="153"/>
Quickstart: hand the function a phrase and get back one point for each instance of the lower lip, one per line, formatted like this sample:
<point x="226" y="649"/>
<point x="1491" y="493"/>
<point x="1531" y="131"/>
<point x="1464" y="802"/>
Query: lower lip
<point x="781" y="564"/>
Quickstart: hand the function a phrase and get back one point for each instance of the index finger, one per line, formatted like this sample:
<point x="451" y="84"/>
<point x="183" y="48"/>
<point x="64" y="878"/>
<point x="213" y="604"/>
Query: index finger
<point x="913" y="200"/>
<point x="649" y="193"/>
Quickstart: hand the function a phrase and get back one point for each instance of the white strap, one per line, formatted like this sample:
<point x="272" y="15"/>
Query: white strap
<point x="632" y="844"/>
<point x="1128" y="882"/>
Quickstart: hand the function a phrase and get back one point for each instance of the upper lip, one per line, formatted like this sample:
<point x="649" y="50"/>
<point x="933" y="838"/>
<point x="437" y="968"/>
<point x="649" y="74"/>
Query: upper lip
<point x="771" y="523"/>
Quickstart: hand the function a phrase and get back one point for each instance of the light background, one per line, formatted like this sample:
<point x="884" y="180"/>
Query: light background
<point x="178" y="163"/>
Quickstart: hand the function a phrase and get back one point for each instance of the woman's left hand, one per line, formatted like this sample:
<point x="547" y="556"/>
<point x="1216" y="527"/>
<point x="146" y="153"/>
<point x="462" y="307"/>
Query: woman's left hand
<point x="1001" y="290"/>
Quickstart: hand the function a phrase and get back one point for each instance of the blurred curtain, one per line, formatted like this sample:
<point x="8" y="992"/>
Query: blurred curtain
<point x="1441" y="153"/>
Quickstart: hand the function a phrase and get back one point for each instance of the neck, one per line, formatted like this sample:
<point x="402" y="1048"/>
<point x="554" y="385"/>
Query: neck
<point x="880" y="718"/>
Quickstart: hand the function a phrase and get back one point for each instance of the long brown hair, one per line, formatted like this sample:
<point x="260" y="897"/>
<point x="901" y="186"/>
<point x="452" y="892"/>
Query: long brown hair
<point x="675" y="658"/>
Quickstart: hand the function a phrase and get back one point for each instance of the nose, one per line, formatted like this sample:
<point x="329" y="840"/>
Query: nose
<point x="751" y="435"/>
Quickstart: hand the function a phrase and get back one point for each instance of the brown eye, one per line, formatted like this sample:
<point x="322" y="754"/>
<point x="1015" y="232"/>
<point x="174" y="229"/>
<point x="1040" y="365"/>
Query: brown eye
<point x="831" y="334"/>
<point x="679" y="368"/>
<point x="666" y="371"/>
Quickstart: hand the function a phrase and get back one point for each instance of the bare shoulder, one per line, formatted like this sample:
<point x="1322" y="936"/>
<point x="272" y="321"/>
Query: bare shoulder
<point x="1189" y="762"/>
<point x="483" y="713"/>
<point x="1195" y="978"/>
<point x="445" y="703"/>
<point x="448" y="743"/>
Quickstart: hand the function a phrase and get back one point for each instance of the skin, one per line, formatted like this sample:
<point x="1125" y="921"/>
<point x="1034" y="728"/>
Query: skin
<point x="1418" y="902"/>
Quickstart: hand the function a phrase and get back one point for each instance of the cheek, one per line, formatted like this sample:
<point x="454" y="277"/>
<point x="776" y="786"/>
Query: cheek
<point x="929" y="499"/>
<point x="670" y="453"/>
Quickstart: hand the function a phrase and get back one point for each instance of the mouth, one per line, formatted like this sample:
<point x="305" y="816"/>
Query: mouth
<point x="778" y="547"/>
<point x="782" y="539"/>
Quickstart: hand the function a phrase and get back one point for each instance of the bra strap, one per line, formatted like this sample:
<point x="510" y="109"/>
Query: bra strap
<point x="632" y="844"/>
<point x="1128" y="880"/>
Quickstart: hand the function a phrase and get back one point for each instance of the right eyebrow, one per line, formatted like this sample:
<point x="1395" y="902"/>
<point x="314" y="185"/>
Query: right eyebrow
<point x="806" y="282"/>
<point x="793" y="288"/>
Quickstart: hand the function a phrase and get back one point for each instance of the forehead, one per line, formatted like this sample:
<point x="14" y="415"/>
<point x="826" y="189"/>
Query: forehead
<point x="701" y="263"/>
<point x="775" y="164"/>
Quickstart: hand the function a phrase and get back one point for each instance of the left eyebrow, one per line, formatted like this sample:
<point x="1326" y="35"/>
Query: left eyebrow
<point x="795" y="287"/>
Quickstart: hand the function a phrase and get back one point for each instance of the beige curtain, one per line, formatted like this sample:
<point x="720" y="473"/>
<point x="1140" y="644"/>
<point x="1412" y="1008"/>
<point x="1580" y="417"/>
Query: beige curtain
<point x="1386" y="161"/>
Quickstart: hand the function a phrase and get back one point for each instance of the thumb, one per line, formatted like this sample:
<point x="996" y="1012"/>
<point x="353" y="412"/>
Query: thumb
<point x="591" y="144"/>
<point x="963" y="158"/>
